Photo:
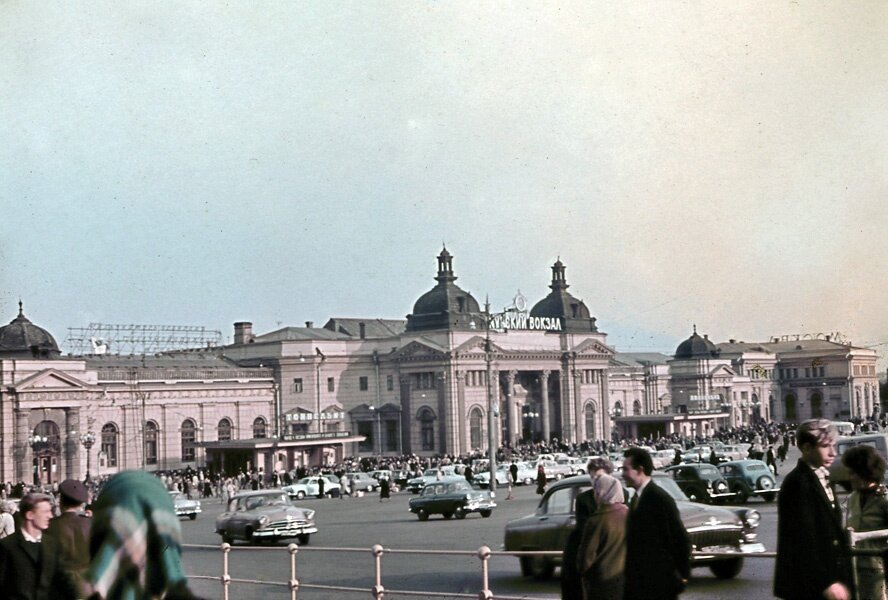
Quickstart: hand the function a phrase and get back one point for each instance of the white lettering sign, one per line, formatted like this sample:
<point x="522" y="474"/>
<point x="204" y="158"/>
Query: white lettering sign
<point x="525" y="321"/>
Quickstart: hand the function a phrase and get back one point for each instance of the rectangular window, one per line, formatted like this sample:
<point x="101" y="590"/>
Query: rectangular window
<point x="782" y="374"/>
<point x="389" y="383"/>
<point x="795" y="373"/>
<point x="807" y="372"/>
<point x="391" y="436"/>
<point x="363" y="384"/>
<point x="331" y="384"/>
<point x="297" y="385"/>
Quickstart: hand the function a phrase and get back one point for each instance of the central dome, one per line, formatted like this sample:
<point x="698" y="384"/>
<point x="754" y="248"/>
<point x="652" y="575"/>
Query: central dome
<point x="696" y="347"/>
<point x="445" y="306"/>
<point x="23" y="339"/>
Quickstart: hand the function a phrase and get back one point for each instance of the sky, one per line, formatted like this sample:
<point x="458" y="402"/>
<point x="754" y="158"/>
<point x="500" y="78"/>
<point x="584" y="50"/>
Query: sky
<point x="717" y="164"/>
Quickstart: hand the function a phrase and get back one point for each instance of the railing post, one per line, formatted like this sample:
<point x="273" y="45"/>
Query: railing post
<point x="294" y="583"/>
<point x="484" y="555"/>
<point x="226" y="576"/>
<point x="378" y="590"/>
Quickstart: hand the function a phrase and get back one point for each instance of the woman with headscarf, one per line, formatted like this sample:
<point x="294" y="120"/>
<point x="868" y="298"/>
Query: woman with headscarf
<point x="602" y="554"/>
<point x="136" y="541"/>
<point x="868" y="511"/>
<point x="584" y="506"/>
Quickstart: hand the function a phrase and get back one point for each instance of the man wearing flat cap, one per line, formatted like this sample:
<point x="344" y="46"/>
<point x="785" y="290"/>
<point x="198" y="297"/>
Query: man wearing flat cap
<point x="68" y="537"/>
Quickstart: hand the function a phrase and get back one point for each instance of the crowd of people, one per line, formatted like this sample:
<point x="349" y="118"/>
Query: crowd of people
<point x="127" y="544"/>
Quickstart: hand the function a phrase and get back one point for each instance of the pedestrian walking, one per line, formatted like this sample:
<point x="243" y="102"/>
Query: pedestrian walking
<point x="385" y="489"/>
<point x="601" y="557"/>
<point x="812" y="547"/>
<point x="541" y="479"/>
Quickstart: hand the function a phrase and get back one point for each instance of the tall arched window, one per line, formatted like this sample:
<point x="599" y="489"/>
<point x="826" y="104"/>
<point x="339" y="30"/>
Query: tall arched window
<point x="260" y="428"/>
<point x="427" y="429"/>
<point x="636" y="408"/>
<point x="475" y="419"/>
<point x="589" y="417"/>
<point x="224" y="430"/>
<point x="109" y="443"/>
<point x="189" y="435"/>
<point x="151" y="443"/>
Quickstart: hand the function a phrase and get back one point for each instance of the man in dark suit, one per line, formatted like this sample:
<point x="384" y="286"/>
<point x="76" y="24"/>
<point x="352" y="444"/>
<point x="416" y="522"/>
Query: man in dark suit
<point x="68" y="539"/>
<point x="658" y="550"/>
<point x="812" y="549"/>
<point x="23" y="556"/>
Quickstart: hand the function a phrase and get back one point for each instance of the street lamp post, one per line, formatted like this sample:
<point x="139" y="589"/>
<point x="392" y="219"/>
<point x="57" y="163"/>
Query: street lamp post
<point x="492" y="407"/>
<point x="87" y="439"/>
<point x="321" y="357"/>
<point x="377" y="431"/>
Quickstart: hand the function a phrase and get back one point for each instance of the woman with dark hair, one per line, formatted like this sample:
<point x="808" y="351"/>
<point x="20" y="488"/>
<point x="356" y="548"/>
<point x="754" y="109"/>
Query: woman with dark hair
<point x="541" y="479"/>
<point x="868" y="511"/>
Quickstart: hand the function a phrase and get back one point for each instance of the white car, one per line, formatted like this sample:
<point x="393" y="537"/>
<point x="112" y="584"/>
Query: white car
<point x="483" y="478"/>
<point x="308" y="486"/>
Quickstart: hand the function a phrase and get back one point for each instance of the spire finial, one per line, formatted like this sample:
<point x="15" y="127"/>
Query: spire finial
<point x="695" y="329"/>
<point x="21" y="310"/>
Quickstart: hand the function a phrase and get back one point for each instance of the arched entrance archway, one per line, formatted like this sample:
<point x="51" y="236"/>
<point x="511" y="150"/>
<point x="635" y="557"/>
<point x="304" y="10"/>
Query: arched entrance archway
<point x="790" y="406"/>
<point x="816" y="405"/>
<point x="46" y="445"/>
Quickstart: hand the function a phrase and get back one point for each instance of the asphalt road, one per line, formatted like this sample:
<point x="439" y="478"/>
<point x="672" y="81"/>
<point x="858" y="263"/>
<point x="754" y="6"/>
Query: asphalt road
<point x="363" y="522"/>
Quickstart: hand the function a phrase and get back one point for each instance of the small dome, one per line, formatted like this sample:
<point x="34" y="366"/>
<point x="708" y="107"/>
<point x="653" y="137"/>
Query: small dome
<point x="696" y="347"/>
<point x="562" y="304"/>
<point x="23" y="339"/>
<point x="445" y="306"/>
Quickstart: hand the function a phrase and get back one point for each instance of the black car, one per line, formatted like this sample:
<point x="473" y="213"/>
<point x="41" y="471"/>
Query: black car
<point x="452" y="497"/>
<point x="701" y="482"/>
<point x="709" y="527"/>
<point x="750" y="478"/>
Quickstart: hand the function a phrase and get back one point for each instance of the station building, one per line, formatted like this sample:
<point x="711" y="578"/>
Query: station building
<point x="448" y="379"/>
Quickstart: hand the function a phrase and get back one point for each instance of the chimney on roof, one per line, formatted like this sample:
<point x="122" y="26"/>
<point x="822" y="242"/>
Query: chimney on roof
<point x="828" y="336"/>
<point x="309" y="324"/>
<point x="363" y="330"/>
<point x="732" y="341"/>
<point x="243" y="332"/>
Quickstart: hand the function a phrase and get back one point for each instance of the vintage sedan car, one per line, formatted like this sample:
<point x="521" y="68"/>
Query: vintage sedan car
<point x="309" y="486"/>
<point x="452" y="496"/>
<point x="710" y="528"/>
<point x="554" y="470"/>
<point x="749" y="478"/>
<point x="361" y="482"/>
<point x="700" y="482"/>
<point x="482" y="479"/>
<point x="415" y="484"/>
<point x="185" y="506"/>
<point x="265" y="515"/>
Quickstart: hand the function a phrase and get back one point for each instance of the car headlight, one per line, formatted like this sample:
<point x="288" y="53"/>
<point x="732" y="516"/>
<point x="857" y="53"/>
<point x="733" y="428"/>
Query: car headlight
<point x="493" y="494"/>
<point x="263" y="520"/>
<point x="752" y="518"/>
<point x="309" y="515"/>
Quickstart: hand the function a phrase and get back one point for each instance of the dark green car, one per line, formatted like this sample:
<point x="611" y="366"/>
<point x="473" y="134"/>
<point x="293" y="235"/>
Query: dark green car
<point x="452" y="497"/>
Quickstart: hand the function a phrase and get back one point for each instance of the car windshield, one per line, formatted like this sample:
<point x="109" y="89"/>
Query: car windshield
<point x="254" y="502"/>
<point x="757" y="467"/>
<point x="708" y="471"/>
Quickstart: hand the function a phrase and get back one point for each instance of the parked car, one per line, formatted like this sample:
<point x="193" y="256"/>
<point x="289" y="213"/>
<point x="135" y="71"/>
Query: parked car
<point x="749" y="478"/>
<point x="482" y="479"/>
<point x="265" y="515"/>
<point x="733" y="452"/>
<point x="700" y="482"/>
<point x="309" y="486"/>
<point x="185" y="506"/>
<point x="696" y="454"/>
<point x="717" y="528"/>
<point x="452" y="496"/>
<point x="416" y="484"/>
<point x="838" y="473"/>
<point x="663" y="458"/>
<point x="361" y="482"/>
<point x="554" y="470"/>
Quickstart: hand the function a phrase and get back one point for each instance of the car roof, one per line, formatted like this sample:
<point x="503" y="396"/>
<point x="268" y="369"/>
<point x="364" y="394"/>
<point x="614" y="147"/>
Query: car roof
<point x="259" y="493"/>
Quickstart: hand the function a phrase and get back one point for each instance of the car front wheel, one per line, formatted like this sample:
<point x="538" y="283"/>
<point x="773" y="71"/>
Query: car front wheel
<point x="422" y="514"/>
<point x="192" y="516"/>
<point x="226" y="538"/>
<point x="300" y="495"/>
<point x="537" y="567"/>
<point x="303" y="539"/>
<point x="460" y="513"/>
<point x="727" y="569"/>
<point x="485" y="513"/>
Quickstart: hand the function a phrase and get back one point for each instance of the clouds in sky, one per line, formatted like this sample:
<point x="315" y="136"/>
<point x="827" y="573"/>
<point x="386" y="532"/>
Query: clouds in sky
<point x="197" y="164"/>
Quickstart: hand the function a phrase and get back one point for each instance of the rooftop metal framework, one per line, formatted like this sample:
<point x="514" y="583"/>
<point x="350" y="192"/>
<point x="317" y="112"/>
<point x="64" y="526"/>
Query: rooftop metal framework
<point x="108" y="338"/>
